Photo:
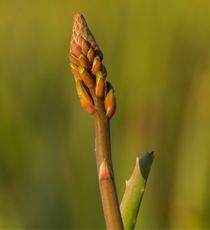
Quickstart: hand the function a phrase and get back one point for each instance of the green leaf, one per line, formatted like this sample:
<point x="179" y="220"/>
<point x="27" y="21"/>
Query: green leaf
<point x="134" y="190"/>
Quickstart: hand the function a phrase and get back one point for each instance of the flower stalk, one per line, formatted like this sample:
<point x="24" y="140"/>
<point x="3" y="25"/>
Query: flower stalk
<point x="107" y="185"/>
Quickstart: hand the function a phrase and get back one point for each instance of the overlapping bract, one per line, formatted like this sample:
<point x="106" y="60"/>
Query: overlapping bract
<point x="88" y="70"/>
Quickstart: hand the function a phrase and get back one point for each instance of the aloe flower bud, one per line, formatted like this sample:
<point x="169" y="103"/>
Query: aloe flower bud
<point x="75" y="71"/>
<point x="85" y="99"/>
<point x="96" y="65"/>
<point x="100" y="84"/>
<point x="110" y="101"/>
<point x="86" y="77"/>
<point x="90" y="55"/>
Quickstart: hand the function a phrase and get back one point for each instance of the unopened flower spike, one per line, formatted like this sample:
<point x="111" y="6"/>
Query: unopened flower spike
<point x="86" y="65"/>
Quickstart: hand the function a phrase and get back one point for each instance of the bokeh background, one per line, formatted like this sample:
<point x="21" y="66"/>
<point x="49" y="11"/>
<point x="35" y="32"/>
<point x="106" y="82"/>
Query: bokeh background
<point x="158" y="58"/>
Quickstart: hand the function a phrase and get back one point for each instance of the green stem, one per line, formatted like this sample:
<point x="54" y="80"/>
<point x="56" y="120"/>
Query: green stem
<point x="107" y="185"/>
<point x="134" y="190"/>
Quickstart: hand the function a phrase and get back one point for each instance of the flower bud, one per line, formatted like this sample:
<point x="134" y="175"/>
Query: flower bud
<point x="110" y="101"/>
<point x="85" y="47"/>
<point x="75" y="71"/>
<point x="85" y="99"/>
<point x="84" y="61"/>
<point x="91" y="40"/>
<point x="100" y="85"/>
<point x="90" y="55"/>
<point x="74" y="59"/>
<point x="96" y="65"/>
<point x="75" y="49"/>
<point x="98" y="52"/>
<point x="86" y="77"/>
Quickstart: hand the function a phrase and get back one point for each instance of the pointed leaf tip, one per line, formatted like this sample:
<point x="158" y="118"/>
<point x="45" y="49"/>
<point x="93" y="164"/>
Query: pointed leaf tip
<point x="134" y="190"/>
<point x="145" y="163"/>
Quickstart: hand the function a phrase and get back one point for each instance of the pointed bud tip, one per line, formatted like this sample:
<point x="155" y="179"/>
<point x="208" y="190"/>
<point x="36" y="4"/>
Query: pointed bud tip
<point x="110" y="103"/>
<point x="78" y="17"/>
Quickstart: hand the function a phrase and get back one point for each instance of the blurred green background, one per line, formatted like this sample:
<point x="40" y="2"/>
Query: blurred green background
<point x="157" y="53"/>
